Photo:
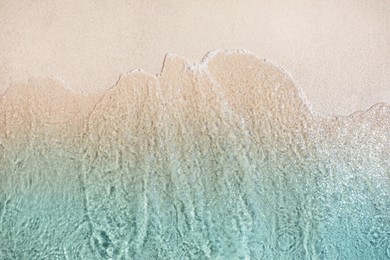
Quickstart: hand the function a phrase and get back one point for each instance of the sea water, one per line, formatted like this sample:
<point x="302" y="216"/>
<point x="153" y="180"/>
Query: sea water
<point x="221" y="160"/>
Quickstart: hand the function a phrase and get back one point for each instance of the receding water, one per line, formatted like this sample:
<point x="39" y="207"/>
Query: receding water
<point x="221" y="160"/>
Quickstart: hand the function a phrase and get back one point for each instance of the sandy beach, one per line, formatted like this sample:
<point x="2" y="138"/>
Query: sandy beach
<point x="338" y="52"/>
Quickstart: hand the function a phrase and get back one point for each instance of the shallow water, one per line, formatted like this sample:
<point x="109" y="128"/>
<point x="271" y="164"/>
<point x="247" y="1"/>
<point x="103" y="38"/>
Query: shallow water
<point x="220" y="160"/>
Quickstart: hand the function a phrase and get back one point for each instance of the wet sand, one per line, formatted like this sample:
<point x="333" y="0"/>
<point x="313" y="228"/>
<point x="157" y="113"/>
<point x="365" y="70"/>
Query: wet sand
<point x="338" y="52"/>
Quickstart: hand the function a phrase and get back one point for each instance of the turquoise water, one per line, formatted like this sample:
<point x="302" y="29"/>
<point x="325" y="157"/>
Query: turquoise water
<point x="207" y="176"/>
<point x="264" y="209"/>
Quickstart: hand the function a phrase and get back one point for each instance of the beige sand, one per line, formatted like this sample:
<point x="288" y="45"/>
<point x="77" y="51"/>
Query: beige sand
<point x="337" y="51"/>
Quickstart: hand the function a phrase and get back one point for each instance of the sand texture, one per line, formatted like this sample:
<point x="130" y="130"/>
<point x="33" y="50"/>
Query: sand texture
<point x="338" y="51"/>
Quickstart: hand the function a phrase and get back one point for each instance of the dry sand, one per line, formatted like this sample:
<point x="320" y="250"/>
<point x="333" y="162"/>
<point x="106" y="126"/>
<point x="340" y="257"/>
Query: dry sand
<point x="338" y="52"/>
